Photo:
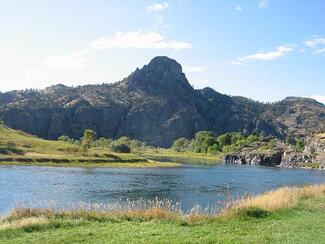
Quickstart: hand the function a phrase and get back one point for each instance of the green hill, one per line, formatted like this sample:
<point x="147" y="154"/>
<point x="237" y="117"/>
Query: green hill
<point x="17" y="147"/>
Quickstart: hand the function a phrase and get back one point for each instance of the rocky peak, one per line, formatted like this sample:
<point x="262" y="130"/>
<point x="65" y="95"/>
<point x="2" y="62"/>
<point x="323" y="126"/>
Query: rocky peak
<point x="59" y="88"/>
<point x="161" y="75"/>
<point x="298" y="100"/>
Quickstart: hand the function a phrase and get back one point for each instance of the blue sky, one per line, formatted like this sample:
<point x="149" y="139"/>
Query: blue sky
<point x="262" y="49"/>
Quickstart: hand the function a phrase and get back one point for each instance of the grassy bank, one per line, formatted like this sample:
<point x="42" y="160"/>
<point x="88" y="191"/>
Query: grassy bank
<point x="181" y="157"/>
<point x="19" y="148"/>
<point x="88" y="164"/>
<point x="287" y="215"/>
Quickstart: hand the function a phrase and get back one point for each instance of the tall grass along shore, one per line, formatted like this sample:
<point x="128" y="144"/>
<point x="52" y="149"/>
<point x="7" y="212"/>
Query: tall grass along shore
<point x="285" y="215"/>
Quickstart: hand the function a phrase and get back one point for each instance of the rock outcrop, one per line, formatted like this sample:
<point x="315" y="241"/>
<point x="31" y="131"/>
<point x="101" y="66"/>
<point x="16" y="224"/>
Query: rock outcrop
<point x="272" y="158"/>
<point x="283" y="155"/>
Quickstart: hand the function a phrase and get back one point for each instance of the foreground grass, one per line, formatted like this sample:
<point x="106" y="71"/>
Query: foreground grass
<point x="298" y="216"/>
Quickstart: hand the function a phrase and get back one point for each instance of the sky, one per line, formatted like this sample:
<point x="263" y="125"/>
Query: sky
<point x="262" y="49"/>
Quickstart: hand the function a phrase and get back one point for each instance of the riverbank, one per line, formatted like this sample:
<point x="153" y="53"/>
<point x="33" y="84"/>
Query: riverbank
<point x="19" y="148"/>
<point x="124" y="164"/>
<point x="181" y="157"/>
<point x="287" y="215"/>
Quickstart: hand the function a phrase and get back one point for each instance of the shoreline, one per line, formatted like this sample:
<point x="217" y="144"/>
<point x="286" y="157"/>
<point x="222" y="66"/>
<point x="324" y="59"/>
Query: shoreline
<point x="297" y="213"/>
<point x="126" y="164"/>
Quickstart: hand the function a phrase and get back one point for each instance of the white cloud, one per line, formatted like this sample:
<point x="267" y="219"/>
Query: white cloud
<point x="264" y="56"/>
<point x="193" y="69"/>
<point x="319" y="98"/>
<point x="159" y="19"/>
<point x="71" y="61"/>
<point x="139" y="40"/>
<point x="239" y="8"/>
<point x="319" y="51"/>
<point x="315" y="42"/>
<point x="263" y="3"/>
<point x="234" y="62"/>
<point x="157" y="7"/>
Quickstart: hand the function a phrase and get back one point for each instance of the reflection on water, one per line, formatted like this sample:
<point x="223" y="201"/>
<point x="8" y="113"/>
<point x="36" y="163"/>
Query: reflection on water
<point x="39" y="186"/>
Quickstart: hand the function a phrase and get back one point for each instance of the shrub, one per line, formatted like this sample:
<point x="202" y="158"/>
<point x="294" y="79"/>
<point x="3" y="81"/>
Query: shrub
<point x="88" y="138"/>
<point x="64" y="138"/>
<point x="214" y="149"/>
<point x="181" y="144"/>
<point x="200" y="138"/>
<point x="299" y="145"/>
<point x="120" y="147"/>
<point x="253" y="212"/>
<point x="236" y="136"/>
<point x="224" y="140"/>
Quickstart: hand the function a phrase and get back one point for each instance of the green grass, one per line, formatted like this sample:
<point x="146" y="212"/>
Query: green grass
<point x="20" y="148"/>
<point x="304" y="223"/>
<point x="182" y="157"/>
<point x="88" y="164"/>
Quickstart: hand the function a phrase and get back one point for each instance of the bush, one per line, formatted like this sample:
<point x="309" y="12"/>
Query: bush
<point x="181" y="144"/>
<point x="120" y="147"/>
<point x="88" y="138"/>
<point x="200" y="144"/>
<point x="214" y="149"/>
<point x="253" y="212"/>
<point x="224" y="140"/>
<point x="66" y="139"/>
<point x="299" y="145"/>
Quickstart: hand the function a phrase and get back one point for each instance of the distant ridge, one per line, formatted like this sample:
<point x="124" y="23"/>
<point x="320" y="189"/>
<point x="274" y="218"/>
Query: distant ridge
<point x="155" y="104"/>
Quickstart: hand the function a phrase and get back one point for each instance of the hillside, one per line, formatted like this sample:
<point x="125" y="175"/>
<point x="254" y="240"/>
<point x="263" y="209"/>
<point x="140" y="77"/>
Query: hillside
<point x="20" y="148"/>
<point x="155" y="104"/>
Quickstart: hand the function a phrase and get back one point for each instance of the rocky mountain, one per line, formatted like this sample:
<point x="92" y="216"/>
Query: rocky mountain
<point x="155" y="104"/>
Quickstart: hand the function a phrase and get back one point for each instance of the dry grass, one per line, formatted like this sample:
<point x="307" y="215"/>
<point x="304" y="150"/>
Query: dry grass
<point x="256" y="206"/>
<point x="23" y="222"/>
<point x="282" y="198"/>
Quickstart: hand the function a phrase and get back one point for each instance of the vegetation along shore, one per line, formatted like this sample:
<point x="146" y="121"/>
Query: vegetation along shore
<point x="285" y="215"/>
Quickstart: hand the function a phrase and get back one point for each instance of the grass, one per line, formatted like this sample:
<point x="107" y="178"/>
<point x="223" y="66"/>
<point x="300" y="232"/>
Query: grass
<point x="182" y="157"/>
<point x="20" y="148"/>
<point x="126" y="164"/>
<point x="286" y="215"/>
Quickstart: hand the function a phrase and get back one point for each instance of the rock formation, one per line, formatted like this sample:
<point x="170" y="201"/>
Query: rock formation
<point x="155" y="104"/>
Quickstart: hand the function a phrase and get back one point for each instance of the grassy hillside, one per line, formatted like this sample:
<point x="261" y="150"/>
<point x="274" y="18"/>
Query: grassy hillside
<point x="17" y="147"/>
<point x="287" y="215"/>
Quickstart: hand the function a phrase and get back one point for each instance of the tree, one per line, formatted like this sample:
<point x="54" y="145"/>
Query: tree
<point x="124" y="140"/>
<point x="181" y="144"/>
<point x="64" y="138"/>
<point x="209" y="141"/>
<point x="200" y="137"/>
<point x="213" y="149"/>
<point x="135" y="144"/>
<point x="236" y="136"/>
<point x="224" y="139"/>
<point x="299" y="145"/>
<point x="88" y="138"/>
<point x="120" y="147"/>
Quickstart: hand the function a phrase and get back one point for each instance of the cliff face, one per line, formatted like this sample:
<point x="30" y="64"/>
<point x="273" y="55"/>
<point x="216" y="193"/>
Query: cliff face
<point x="155" y="104"/>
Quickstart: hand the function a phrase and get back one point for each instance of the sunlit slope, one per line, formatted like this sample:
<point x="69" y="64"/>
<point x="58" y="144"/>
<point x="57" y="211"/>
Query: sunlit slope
<point x="17" y="147"/>
<point x="18" y="142"/>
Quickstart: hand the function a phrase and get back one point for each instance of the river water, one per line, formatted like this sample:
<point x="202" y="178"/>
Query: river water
<point x="203" y="185"/>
